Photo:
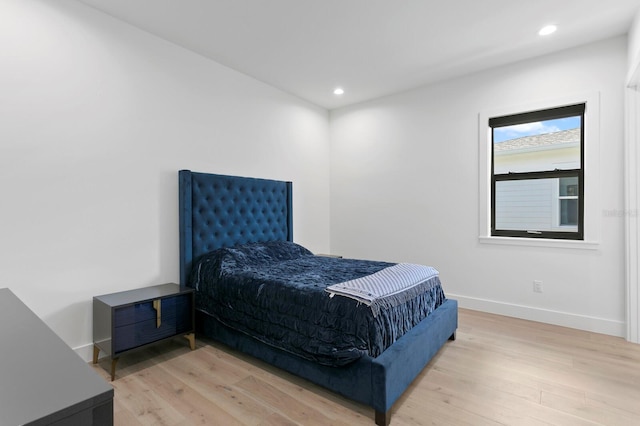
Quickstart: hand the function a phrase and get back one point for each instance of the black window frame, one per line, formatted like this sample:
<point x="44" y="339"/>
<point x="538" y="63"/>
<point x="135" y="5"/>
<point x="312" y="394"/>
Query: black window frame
<point x="530" y="117"/>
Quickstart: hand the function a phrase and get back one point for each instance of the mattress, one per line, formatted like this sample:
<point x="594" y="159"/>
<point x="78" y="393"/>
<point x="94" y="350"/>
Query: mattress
<point x="276" y="293"/>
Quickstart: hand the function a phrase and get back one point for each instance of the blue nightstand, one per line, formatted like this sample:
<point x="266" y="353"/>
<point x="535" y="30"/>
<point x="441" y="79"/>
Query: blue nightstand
<point x="132" y="319"/>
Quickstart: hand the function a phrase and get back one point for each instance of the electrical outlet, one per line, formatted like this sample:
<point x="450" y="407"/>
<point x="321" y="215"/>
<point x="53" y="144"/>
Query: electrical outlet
<point x="537" y="286"/>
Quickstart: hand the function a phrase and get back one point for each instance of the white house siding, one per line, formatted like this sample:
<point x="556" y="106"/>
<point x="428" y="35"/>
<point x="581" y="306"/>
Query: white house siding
<point x="565" y="157"/>
<point x="525" y="204"/>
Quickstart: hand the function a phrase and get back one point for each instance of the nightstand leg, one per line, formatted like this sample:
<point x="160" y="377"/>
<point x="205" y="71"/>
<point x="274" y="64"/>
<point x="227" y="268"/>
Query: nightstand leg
<point x="114" y="361"/>
<point x="96" y="352"/>
<point x="191" y="337"/>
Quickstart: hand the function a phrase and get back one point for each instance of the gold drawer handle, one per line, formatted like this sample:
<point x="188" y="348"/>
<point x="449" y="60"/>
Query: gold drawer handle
<point x="156" y="305"/>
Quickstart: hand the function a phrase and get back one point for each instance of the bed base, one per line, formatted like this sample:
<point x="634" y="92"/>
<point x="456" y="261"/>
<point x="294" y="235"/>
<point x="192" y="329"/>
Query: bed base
<point x="376" y="382"/>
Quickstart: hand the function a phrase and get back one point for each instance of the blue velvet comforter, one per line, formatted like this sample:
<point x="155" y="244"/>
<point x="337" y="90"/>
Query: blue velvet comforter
<point x="275" y="292"/>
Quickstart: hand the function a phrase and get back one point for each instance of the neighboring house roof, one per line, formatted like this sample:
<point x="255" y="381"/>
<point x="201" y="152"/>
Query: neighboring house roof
<point x="546" y="141"/>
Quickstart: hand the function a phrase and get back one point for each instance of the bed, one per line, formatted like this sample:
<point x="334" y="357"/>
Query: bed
<point x="225" y="221"/>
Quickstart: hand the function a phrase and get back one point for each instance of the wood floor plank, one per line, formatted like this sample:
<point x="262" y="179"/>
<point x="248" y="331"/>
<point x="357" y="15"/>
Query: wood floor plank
<point x="194" y="406"/>
<point x="226" y="395"/>
<point x="141" y="400"/>
<point x="287" y="405"/>
<point x="499" y="371"/>
<point x="599" y="415"/>
<point x="296" y="387"/>
<point x="276" y="419"/>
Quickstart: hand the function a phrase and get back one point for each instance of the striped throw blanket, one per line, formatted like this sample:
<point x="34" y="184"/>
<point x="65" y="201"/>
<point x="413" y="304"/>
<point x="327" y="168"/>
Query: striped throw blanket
<point x="389" y="287"/>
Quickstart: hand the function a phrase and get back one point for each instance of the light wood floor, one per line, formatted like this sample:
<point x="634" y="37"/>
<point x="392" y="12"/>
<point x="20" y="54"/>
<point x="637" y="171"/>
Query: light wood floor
<point x="499" y="371"/>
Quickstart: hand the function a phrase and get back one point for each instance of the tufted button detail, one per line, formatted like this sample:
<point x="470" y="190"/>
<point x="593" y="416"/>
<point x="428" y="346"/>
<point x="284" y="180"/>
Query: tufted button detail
<point x="229" y="210"/>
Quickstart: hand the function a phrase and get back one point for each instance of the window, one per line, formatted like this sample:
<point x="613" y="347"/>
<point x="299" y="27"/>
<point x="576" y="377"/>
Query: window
<point x="537" y="174"/>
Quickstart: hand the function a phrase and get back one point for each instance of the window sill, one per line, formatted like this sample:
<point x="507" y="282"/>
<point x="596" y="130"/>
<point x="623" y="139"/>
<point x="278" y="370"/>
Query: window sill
<point x="539" y="242"/>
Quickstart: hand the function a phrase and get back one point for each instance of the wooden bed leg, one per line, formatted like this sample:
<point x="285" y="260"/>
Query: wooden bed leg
<point x="382" y="419"/>
<point x="453" y="336"/>
<point x="96" y="352"/>
<point x="114" y="361"/>
<point x="191" y="337"/>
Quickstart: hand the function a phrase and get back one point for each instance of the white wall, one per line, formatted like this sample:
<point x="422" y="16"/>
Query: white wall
<point x="96" y="118"/>
<point x="633" y="54"/>
<point x="404" y="187"/>
<point x="632" y="180"/>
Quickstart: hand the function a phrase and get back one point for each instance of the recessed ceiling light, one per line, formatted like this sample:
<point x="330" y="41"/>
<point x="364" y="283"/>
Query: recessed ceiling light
<point x="338" y="91"/>
<point x="546" y="30"/>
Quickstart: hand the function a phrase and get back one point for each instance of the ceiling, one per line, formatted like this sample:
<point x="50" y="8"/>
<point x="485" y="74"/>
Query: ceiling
<point x="371" y="48"/>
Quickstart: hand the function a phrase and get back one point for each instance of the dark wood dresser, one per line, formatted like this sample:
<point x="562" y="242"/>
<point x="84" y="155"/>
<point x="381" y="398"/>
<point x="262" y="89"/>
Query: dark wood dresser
<point x="42" y="380"/>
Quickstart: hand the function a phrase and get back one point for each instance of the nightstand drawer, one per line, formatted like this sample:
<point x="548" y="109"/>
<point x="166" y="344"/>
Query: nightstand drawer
<point x="142" y="323"/>
<point x="143" y="311"/>
<point x="138" y="334"/>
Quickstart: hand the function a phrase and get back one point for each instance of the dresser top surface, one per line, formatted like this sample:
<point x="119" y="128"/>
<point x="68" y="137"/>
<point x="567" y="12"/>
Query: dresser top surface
<point x="142" y="294"/>
<point x="42" y="377"/>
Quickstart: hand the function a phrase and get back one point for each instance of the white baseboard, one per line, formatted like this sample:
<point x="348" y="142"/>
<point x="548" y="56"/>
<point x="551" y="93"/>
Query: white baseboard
<point x="564" y="319"/>
<point x="85" y="352"/>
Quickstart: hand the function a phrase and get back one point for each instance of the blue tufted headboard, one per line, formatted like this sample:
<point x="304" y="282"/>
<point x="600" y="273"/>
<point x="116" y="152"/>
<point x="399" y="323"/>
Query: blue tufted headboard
<point x="222" y="211"/>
